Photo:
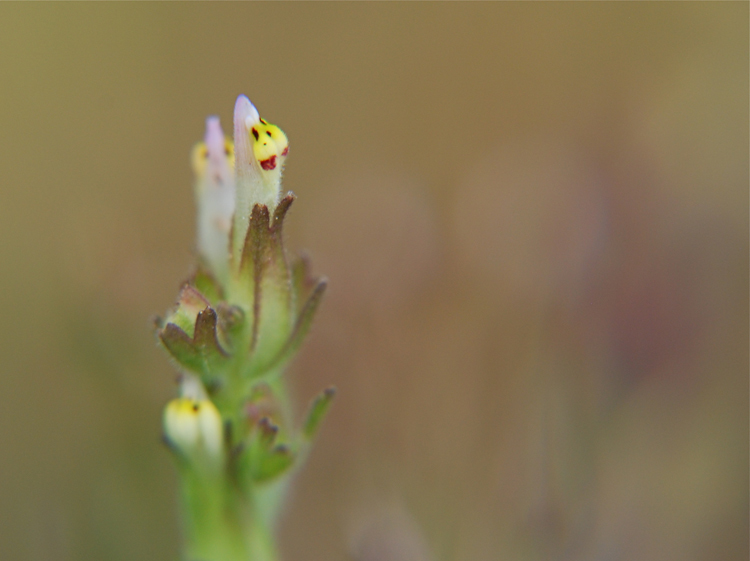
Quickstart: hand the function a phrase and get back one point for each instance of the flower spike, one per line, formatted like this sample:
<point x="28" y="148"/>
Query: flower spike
<point x="238" y="320"/>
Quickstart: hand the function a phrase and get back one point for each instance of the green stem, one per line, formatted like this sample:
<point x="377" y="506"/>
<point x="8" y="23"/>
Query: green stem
<point x="221" y="525"/>
<point x="212" y="529"/>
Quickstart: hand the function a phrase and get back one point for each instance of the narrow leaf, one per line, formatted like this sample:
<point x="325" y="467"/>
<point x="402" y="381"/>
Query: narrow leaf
<point x="318" y="409"/>
<point x="202" y="353"/>
<point x="180" y="346"/>
<point x="302" y="326"/>
<point x="273" y="464"/>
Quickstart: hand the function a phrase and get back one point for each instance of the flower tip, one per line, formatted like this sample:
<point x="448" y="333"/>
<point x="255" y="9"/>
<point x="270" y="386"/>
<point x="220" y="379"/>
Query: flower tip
<point x="245" y="112"/>
<point x="214" y="134"/>
<point x="220" y="149"/>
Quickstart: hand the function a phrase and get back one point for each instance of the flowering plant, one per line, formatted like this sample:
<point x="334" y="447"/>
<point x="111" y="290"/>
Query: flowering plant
<point x="237" y="322"/>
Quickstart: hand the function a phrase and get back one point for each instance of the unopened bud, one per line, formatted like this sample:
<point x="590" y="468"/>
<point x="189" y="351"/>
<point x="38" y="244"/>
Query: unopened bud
<point x="194" y="428"/>
<point x="213" y="164"/>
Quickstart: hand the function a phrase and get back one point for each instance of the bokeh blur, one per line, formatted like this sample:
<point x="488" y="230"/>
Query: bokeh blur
<point x="535" y="222"/>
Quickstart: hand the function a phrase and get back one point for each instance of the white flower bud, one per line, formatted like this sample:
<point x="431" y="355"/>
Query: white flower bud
<point x="194" y="428"/>
<point x="213" y="164"/>
<point x="260" y="151"/>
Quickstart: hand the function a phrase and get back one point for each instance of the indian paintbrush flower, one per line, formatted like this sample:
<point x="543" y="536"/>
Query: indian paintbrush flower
<point x="238" y="320"/>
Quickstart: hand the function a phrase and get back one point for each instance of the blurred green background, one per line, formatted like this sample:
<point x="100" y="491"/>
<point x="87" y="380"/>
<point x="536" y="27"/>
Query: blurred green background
<point x="535" y="222"/>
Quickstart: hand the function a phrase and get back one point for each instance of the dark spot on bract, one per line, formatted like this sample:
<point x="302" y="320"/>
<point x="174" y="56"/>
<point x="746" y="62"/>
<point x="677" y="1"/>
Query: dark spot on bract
<point x="196" y="407"/>
<point x="255" y="133"/>
<point x="269" y="134"/>
<point x="286" y="151"/>
<point x="262" y="120"/>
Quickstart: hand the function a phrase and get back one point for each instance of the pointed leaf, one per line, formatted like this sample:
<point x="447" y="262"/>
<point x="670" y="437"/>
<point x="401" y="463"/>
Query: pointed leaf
<point x="279" y="214"/>
<point x="206" y="340"/>
<point x="303" y="282"/>
<point x="257" y="238"/>
<point x="202" y="353"/>
<point x="302" y="326"/>
<point x="272" y="307"/>
<point x="318" y="410"/>
<point x="180" y="346"/>
<point x="254" y="258"/>
<point x="273" y="464"/>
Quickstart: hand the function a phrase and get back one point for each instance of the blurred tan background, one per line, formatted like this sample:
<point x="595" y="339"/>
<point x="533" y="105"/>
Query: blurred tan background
<point x="535" y="222"/>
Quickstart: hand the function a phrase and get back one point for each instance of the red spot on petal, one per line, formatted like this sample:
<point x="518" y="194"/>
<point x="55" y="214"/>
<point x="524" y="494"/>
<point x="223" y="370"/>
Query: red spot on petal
<point x="269" y="164"/>
<point x="286" y="151"/>
<point x="255" y="133"/>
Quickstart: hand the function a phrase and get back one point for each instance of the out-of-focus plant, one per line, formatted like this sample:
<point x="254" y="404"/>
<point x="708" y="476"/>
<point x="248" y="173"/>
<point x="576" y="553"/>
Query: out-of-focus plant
<point x="237" y="322"/>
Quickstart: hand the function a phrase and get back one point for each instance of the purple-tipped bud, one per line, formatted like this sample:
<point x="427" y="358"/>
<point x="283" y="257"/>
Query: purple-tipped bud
<point x="213" y="163"/>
